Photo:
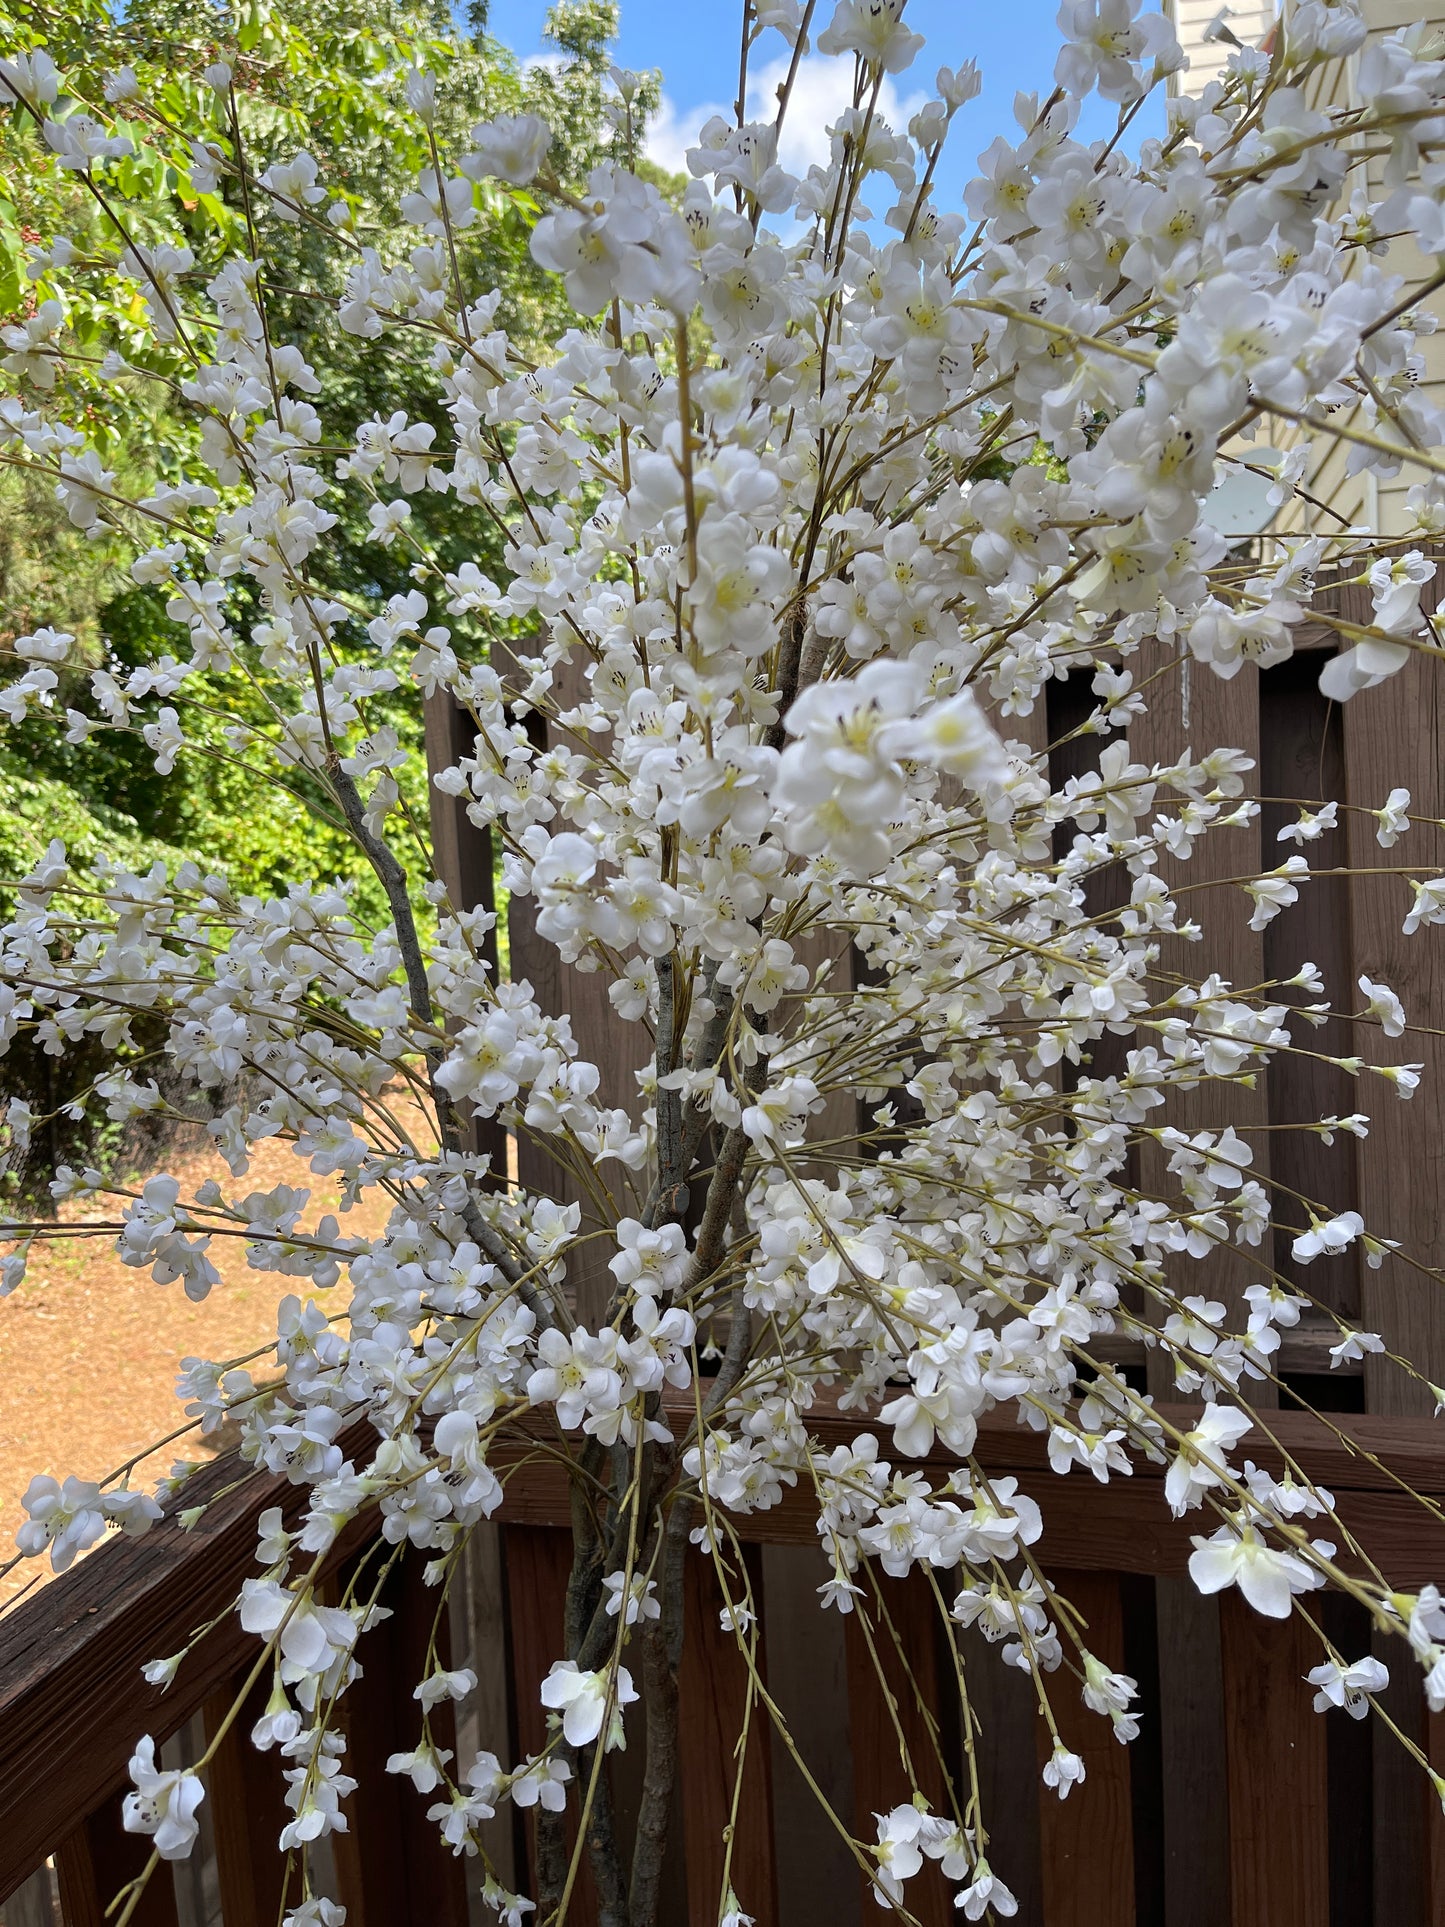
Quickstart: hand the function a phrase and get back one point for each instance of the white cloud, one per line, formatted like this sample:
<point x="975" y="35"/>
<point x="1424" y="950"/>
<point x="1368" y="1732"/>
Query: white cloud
<point x="674" y="129"/>
<point x="822" y="91"/>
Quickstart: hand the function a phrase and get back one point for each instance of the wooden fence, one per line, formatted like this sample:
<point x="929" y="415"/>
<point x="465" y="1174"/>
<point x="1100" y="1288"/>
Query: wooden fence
<point x="1238" y="1804"/>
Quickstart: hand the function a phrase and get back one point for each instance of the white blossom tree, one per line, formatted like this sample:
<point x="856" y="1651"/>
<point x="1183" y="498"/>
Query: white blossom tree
<point x="800" y="521"/>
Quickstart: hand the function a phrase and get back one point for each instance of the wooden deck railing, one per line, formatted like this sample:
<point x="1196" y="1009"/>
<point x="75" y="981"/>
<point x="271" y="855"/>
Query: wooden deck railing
<point x="1237" y="1804"/>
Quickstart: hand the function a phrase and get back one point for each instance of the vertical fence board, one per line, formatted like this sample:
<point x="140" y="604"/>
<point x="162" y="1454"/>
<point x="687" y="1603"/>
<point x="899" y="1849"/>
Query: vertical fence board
<point x="479" y="1641"/>
<point x="1087" y="1841"/>
<point x="879" y="1780"/>
<point x="1279" y="1868"/>
<point x="1196" y="710"/>
<point x="461" y="850"/>
<point x="1395" y="735"/>
<point x="1302" y="753"/>
<point x="81" y="1902"/>
<point x="1196" y="1808"/>
<point x="1434" y="1911"/>
<point x="1405" y="1807"/>
<point x="246" y="1796"/>
<point x="1006" y="1755"/>
<point x="538" y="1563"/>
<point x="713" y="1687"/>
<point x="808" y="1677"/>
<point x="393" y="1868"/>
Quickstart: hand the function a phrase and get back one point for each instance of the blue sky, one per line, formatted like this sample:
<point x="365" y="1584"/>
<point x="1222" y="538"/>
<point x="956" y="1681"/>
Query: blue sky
<point x="695" y="44"/>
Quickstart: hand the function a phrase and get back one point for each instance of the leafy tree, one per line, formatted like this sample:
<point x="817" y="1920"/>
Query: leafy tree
<point x="312" y="71"/>
<point x="316" y="72"/>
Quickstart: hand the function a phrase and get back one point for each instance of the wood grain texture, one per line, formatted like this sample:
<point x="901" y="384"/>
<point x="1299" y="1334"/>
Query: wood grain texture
<point x="808" y="1677"/>
<point x="883" y="1701"/>
<point x="1395" y="735"/>
<point x="713" y="1693"/>
<point x="246" y="1797"/>
<point x="1125" y="1526"/>
<point x="392" y="1866"/>
<point x="479" y="1641"/>
<point x="1435" y="1864"/>
<point x="538" y="1564"/>
<point x="1302" y="765"/>
<point x="1193" y="710"/>
<point x="461" y="850"/>
<point x="1006" y="1754"/>
<point x="72" y="1700"/>
<point x="1278" y="1779"/>
<point x="1192" y="1742"/>
<point x="1404" y="1807"/>
<point x="1087" y="1841"/>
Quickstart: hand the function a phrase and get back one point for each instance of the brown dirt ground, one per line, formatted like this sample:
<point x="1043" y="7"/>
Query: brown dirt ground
<point x="89" y="1347"/>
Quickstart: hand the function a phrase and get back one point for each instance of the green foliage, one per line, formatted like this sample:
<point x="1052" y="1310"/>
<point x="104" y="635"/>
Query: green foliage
<point x="317" y="74"/>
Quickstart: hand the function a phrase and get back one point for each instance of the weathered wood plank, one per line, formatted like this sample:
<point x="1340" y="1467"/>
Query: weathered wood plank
<point x="246" y="1797"/>
<point x="461" y="850"/>
<point x="878" y="1675"/>
<point x="1087" y="1841"/>
<point x="1125" y="1526"/>
<point x="72" y="1700"/>
<point x="808" y="1677"/>
<point x="1404" y="1807"/>
<point x="713" y="1694"/>
<point x="393" y="1868"/>
<point x="538" y="1564"/>
<point x="1275" y="1742"/>
<point x="619" y="1050"/>
<point x="1395" y="735"/>
<point x="1193" y="710"/>
<point x="1196" y="1809"/>
<point x="1435" y="1864"/>
<point x="479" y="1641"/>
<point x="1302" y="765"/>
<point x="1005" y="1712"/>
